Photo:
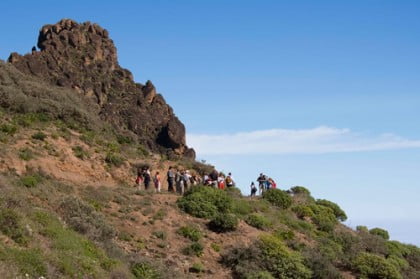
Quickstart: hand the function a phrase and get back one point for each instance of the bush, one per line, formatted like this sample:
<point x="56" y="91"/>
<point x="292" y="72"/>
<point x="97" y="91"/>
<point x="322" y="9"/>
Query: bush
<point x="324" y="217"/>
<point x="194" y="249"/>
<point x="39" y="136"/>
<point x="31" y="181"/>
<point x="303" y="211"/>
<point x="321" y="266"/>
<point x="258" y="221"/>
<point x="80" y="152"/>
<point x="29" y="261"/>
<point x="144" y="271"/>
<point x="267" y="254"/>
<point x="197" y="268"/>
<point x="278" y="198"/>
<point x="259" y="275"/>
<point x="300" y="190"/>
<point x="10" y="225"/>
<point x="190" y="232"/>
<point x="374" y="266"/>
<point x="205" y="202"/>
<point x="338" y="212"/>
<point x="83" y="218"/>
<point x="8" y="129"/>
<point x="380" y="232"/>
<point x="224" y="222"/>
<point x="26" y="154"/>
<point x="113" y="159"/>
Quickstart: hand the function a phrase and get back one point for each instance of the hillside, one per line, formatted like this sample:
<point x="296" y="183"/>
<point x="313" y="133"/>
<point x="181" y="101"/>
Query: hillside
<point x="69" y="207"/>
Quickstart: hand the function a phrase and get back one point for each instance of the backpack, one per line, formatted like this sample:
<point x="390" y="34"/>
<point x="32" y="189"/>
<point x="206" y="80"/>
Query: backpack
<point x="229" y="180"/>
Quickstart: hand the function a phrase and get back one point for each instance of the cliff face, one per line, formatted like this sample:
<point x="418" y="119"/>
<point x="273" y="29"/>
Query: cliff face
<point x="83" y="57"/>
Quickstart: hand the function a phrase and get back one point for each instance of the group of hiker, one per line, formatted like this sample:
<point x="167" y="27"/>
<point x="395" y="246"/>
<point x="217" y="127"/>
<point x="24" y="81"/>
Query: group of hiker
<point x="264" y="183"/>
<point x="180" y="180"/>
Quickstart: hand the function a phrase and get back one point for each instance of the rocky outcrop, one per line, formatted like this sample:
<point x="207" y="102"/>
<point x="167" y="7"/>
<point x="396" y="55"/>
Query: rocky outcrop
<point x="84" y="58"/>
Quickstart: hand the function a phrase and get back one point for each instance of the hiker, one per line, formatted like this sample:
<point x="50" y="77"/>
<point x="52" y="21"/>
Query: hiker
<point x="221" y="182"/>
<point x="261" y="183"/>
<point x="253" y="189"/>
<point x="272" y="183"/>
<point x="156" y="181"/>
<point x="214" y="175"/>
<point x="146" y="177"/>
<point x="139" y="179"/>
<point x="266" y="182"/>
<point x="171" y="179"/>
<point x="229" y="181"/>
<point x="179" y="178"/>
<point x="187" y="179"/>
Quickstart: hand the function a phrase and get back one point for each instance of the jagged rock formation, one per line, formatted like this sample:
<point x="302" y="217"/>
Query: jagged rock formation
<point x="84" y="58"/>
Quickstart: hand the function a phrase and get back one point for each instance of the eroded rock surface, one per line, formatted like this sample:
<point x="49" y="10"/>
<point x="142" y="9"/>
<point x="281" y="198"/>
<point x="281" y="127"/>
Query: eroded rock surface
<point x="84" y="58"/>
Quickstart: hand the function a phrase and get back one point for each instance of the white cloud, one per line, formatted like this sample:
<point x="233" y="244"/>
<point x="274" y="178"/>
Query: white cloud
<point x="283" y="141"/>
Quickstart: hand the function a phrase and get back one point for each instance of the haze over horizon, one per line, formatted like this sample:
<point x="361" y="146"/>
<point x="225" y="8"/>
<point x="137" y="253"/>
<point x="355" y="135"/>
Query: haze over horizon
<point x="320" y="94"/>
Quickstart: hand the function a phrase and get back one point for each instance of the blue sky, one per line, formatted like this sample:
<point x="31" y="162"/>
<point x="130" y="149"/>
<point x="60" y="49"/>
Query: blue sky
<point x="323" y="94"/>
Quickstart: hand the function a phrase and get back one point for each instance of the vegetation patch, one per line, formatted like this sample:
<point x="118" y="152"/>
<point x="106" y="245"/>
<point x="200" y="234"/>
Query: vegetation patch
<point x="258" y="221"/>
<point x="224" y="222"/>
<point x="190" y="232"/>
<point x="278" y="198"/>
<point x="205" y="202"/>
<point x="39" y="136"/>
<point x="194" y="249"/>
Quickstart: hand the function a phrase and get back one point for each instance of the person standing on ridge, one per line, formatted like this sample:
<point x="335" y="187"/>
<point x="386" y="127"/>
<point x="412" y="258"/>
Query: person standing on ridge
<point x="147" y="178"/>
<point x="156" y="181"/>
<point x="171" y="179"/>
<point x="229" y="181"/>
<point x="253" y="189"/>
<point x="261" y="183"/>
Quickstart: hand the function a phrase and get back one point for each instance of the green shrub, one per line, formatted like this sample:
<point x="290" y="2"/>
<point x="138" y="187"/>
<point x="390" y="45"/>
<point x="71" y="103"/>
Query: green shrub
<point x="278" y="198"/>
<point x="144" y="271"/>
<point x="121" y="139"/>
<point x="216" y="247"/>
<point x="74" y="256"/>
<point x="194" y="249"/>
<point x="223" y="222"/>
<point x="258" y="221"/>
<point x="300" y="190"/>
<point x="374" y="266"/>
<point x="39" y="136"/>
<point x="303" y="211"/>
<point x="190" y="232"/>
<point x="114" y="159"/>
<point x="234" y="192"/>
<point x="197" y="268"/>
<point x="80" y="152"/>
<point x="324" y="217"/>
<point x="380" y="232"/>
<point x="205" y="202"/>
<point x="8" y="129"/>
<point x="26" y="154"/>
<point x="321" y="266"/>
<point x="267" y="254"/>
<point x="10" y="225"/>
<point x="241" y="207"/>
<point x="362" y="229"/>
<point x="259" y="275"/>
<point x="83" y="218"/>
<point x="338" y="212"/>
<point x="29" y="261"/>
<point x="31" y="181"/>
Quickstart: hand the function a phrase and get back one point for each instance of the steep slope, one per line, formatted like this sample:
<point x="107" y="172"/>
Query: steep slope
<point x="82" y="57"/>
<point x="69" y="207"/>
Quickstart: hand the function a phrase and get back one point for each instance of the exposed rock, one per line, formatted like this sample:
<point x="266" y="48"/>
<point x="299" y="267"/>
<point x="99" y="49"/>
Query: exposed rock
<point x="84" y="58"/>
